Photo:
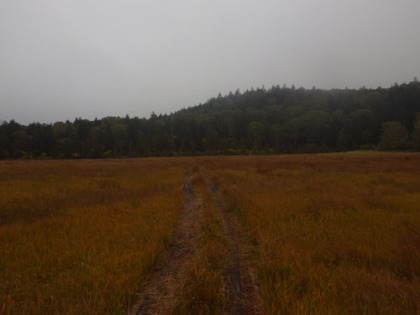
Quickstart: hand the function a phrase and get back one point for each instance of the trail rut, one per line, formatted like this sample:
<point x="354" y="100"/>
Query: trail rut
<point x="159" y="292"/>
<point x="242" y="292"/>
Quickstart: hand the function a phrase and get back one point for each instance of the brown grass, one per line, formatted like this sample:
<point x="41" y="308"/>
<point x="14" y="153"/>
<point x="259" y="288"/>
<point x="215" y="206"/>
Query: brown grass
<point x="79" y="236"/>
<point x="334" y="233"/>
<point x="331" y="233"/>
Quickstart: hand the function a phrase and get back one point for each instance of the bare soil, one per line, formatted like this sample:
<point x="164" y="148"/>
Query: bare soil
<point x="242" y="292"/>
<point x="158" y="293"/>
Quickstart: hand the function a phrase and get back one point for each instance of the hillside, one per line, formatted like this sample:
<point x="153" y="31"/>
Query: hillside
<point x="275" y="120"/>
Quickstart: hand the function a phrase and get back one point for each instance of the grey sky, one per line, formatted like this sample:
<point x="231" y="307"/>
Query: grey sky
<point x="61" y="59"/>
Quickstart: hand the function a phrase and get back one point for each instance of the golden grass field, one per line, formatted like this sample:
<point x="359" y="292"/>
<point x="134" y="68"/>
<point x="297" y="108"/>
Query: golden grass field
<point x="77" y="237"/>
<point x="329" y="233"/>
<point x="334" y="234"/>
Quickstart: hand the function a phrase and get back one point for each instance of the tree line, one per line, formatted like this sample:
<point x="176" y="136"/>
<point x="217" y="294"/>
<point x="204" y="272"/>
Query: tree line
<point x="276" y="120"/>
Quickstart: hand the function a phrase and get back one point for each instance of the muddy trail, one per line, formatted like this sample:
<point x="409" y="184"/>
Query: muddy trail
<point x="241" y="289"/>
<point x="159" y="292"/>
<point x="241" y="292"/>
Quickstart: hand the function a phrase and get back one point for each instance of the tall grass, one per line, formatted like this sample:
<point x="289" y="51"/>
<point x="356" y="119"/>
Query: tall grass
<point x="332" y="233"/>
<point x="335" y="234"/>
<point x="78" y="237"/>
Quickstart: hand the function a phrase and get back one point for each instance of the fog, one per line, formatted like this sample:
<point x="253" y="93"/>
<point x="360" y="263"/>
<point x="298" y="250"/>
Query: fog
<point x="70" y="58"/>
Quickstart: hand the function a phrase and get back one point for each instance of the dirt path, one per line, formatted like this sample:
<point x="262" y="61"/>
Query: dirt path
<point x="242" y="293"/>
<point x="159" y="291"/>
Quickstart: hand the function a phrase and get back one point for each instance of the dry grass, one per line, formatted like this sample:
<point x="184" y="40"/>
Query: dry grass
<point x="203" y="286"/>
<point x="336" y="233"/>
<point x="78" y="237"/>
<point x="332" y="233"/>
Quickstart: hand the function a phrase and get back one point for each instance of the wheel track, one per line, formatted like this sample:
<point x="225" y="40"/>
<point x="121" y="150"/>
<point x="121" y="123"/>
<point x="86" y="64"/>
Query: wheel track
<point x="232" y="273"/>
<point x="242" y="292"/>
<point x="160" y="289"/>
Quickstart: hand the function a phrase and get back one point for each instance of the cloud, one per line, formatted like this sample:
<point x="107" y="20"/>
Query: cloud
<point x="64" y="59"/>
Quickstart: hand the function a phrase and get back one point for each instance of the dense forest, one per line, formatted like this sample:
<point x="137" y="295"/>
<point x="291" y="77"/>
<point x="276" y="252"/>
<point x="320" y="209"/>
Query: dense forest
<point x="276" y="120"/>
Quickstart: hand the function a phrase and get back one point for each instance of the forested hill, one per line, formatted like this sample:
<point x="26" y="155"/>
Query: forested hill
<point x="277" y="120"/>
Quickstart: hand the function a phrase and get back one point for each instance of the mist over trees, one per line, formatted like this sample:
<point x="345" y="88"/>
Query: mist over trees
<point x="276" y="120"/>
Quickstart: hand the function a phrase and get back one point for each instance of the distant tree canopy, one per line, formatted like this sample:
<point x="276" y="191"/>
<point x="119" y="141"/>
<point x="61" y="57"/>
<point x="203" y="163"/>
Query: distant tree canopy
<point x="277" y="120"/>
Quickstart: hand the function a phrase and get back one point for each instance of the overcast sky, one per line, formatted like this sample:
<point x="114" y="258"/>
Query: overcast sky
<point x="62" y="59"/>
